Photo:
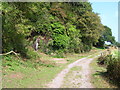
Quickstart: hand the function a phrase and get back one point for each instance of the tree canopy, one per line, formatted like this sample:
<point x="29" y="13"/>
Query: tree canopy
<point x="106" y="35"/>
<point x="66" y="26"/>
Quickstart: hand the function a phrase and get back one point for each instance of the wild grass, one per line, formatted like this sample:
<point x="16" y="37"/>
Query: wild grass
<point x="71" y="57"/>
<point x="30" y="77"/>
<point x="25" y="74"/>
<point x="106" y="70"/>
<point x="31" y="72"/>
<point x="98" y="78"/>
<point x="35" y="71"/>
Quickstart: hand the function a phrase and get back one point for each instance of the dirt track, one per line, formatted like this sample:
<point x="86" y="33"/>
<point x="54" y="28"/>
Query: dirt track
<point x="84" y="80"/>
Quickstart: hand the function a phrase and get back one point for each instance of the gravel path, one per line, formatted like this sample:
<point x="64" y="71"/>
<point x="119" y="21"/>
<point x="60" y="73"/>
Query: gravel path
<point x="84" y="80"/>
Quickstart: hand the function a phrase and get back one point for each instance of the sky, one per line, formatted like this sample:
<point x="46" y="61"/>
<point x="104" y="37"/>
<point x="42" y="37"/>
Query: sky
<point x="108" y="11"/>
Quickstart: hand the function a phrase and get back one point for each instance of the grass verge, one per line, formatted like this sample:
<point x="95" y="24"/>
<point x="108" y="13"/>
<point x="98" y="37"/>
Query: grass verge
<point x="29" y="77"/>
<point x="35" y="72"/>
<point x="28" y="74"/>
<point x="98" y="78"/>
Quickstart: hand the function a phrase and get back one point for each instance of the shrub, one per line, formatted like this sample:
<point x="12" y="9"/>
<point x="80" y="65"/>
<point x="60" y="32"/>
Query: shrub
<point x="113" y="69"/>
<point x="31" y="54"/>
<point x="104" y="60"/>
<point x="59" y="54"/>
<point x="60" y="41"/>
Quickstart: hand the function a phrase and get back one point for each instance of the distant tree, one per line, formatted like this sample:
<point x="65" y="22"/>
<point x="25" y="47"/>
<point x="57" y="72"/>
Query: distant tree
<point x="106" y="35"/>
<point x="117" y="44"/>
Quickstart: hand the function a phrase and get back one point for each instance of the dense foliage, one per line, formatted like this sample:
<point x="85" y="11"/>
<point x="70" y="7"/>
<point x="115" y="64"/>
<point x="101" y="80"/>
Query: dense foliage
<point x="65" y="26"/>
<point x="106" y="35"/>
<point x="113" y="69"/>
<point x="112" y="64"/>
<point x="117" y="44"/>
